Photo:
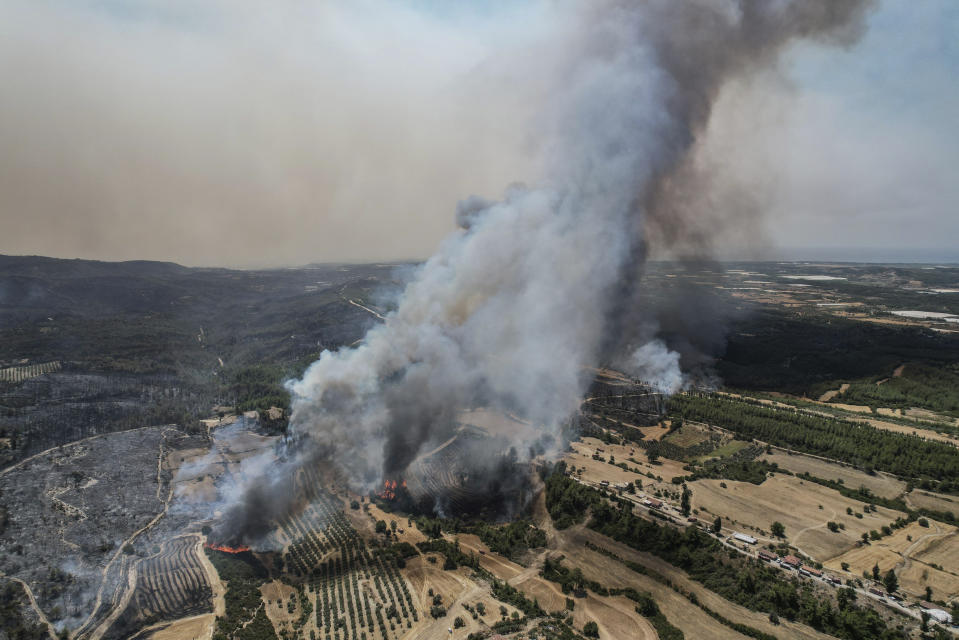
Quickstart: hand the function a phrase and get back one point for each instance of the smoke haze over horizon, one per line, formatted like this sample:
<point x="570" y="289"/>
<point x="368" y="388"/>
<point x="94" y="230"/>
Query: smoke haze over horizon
<point x="256" y="134"/>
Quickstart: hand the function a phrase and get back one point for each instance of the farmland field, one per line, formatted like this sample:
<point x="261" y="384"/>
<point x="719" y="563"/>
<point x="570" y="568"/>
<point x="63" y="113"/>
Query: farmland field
<point x="753" y="508"/>
<point x="880" y="484"/>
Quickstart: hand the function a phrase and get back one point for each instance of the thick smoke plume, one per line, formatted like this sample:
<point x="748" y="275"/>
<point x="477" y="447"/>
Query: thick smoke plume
<point x="542" y="284"/>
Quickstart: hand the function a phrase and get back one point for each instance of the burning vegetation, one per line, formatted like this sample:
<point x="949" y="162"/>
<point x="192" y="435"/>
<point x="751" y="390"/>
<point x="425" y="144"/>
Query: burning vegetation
<point x="390" y="489"/>
<point x="226" y="548"/>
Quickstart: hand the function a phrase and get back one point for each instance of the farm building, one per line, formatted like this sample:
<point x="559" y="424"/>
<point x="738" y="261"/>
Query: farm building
<point x="791" y="561"/>
<point x="768" y="557"/>
<point x="742" y="537"/>
<point x="653" y="502"/>
<point x="809" y="571"/>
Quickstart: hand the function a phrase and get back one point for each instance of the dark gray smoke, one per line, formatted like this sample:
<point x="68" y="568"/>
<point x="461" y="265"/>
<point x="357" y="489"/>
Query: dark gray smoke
<point x="534" y="289"/>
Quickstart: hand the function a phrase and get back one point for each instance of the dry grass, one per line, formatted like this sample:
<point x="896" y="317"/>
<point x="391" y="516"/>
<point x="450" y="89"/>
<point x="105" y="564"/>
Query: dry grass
<point x="410" y="533"/>
<point x="880" y="484"/>
<point x="912" y="559"/>
<point x="456" y="588"/>
<point x="194" y="628"/>
<point x="935" y="501"/>
<point x="928" y="434"/>
<point x="275" y="596"/>
<point x="753" y="508"/>
<point x="694" y="622"/>
<point x="583" y="450"/>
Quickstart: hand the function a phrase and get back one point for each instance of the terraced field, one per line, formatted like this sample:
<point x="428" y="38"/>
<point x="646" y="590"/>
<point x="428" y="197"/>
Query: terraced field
<point x="169" y="585"/>
<point x="172" y="583"/>
<point x="25" y="372"/>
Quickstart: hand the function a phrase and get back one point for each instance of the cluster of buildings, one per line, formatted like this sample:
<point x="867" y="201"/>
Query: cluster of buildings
<point x="794" y="563"/>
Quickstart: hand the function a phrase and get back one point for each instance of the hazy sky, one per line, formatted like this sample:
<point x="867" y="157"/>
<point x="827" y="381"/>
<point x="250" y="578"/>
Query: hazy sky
<point x="250" y="133"/>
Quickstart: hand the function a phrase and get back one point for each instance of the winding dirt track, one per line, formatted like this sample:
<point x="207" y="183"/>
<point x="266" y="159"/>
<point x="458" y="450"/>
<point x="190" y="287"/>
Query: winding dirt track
<point x="119" y="605"/>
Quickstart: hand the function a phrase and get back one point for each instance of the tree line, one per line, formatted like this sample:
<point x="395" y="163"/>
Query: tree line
<point x="856" y="443"/>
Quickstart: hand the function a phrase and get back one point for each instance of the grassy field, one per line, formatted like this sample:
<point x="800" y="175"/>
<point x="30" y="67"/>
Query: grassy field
<point x="728" y="449"/>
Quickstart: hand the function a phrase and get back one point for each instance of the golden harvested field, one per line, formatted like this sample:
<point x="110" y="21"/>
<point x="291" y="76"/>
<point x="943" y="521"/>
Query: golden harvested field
<point x="456" y="588"/>
<point x="367" y="521"/>
<point x="928" y="434"/>
<point x="275" y="596"/>
<point x="917" y="576"/>
<point x="912" y="559"/>
<point x="753" y="508"/>
<point x="496" y="564"/>
<point x="880" y="484"/>
<point x="936" y="501"/>
<point x="595" y="471"/>
<point x="655" y="432"/>
<point x="616" y="617"/>
<point x="196" y="627"/>
<point x="692" y="620"/>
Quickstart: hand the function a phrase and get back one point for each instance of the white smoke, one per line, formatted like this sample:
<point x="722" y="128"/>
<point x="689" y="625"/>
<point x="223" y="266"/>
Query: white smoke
<point x="514" y="307"/>
<point x="657" y="365"/>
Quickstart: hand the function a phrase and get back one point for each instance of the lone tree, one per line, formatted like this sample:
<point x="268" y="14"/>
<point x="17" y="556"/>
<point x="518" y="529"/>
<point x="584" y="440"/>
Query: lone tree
<point x="684" y="501"/>
<point x="875" y="572"/>
<point x="652" y="453"/>
<point x="717" y="525"/>
<point x="890" y="581"/>
<point x="591" y="629"/>
<point x="381" y="526"/>
<point x="778" y="529"/>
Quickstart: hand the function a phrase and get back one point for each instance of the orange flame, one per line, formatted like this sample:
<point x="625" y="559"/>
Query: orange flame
<point x="389" y="489"/>
<point x="226" y="549"/>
